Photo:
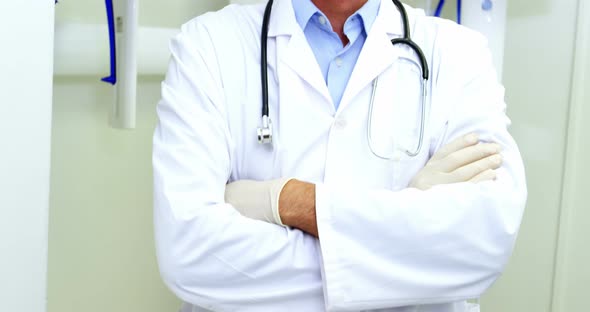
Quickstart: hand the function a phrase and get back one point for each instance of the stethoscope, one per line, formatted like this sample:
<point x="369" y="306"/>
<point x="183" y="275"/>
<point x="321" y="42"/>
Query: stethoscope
<point x="265" y="132"/>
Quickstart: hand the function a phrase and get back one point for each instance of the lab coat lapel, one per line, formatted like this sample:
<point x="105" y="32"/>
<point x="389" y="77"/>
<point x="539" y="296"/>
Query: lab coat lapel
<point x="378" y="53"/>
<point x="299" y="57"/>
<point x="297" y="53"/>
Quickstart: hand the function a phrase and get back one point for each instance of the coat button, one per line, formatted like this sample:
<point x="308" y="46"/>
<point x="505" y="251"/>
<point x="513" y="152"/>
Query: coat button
<point x="340" y="123"/>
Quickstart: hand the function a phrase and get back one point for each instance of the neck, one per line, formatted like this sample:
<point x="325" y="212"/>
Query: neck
<point x="338" y="11"/>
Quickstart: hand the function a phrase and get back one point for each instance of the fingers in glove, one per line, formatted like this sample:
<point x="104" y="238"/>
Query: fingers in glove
<point x="488" y="175"/>
<point x="468" y="156"/>
<point x="472" y="170"/>
<point x="456" y="145"/>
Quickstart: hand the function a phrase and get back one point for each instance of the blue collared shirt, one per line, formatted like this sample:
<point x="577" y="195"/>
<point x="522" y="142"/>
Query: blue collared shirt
<point x="336" y="62"/>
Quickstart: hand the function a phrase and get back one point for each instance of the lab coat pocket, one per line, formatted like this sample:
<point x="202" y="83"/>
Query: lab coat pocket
<point x="400" y="123"/>
<point x="396" y="112"/>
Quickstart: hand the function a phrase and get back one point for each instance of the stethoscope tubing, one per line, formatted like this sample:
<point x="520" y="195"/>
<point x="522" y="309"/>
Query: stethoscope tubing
<point x="265" y="132"/>
<point x="264" y="58"/>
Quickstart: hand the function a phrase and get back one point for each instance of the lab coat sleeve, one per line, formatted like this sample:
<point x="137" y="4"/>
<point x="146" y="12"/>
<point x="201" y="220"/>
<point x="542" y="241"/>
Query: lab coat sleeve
<point x="384" y="249"/>
<point x="209" y="255"/>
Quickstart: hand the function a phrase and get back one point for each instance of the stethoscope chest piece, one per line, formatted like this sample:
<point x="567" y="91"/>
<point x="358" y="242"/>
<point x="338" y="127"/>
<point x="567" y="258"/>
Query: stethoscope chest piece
<point x="265" y="132"/>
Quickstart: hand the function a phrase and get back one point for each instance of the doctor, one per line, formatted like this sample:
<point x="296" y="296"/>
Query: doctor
<point x="319" y="220"/>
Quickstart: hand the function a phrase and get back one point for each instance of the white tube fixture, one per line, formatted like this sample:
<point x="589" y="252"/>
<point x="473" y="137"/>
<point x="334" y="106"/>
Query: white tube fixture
<point x="123" y="112"/>
<point x="489" y="18"/>
<point x="83" y="49"/>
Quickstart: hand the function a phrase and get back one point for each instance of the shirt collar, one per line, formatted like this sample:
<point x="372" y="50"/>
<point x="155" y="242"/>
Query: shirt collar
<point x="305" y="10"/>
<point x="368" y="13"/>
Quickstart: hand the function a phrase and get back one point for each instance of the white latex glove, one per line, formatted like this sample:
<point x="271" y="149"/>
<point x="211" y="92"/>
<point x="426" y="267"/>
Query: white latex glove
<point x="463" y="160"/>
<point x="257" y="200"/>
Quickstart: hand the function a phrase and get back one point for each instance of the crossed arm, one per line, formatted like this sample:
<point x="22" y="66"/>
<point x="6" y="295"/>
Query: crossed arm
<point x="463" y="160"/>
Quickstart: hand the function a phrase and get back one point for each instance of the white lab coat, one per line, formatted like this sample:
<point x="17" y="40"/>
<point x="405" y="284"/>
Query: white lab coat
<point x="382" y="245"/>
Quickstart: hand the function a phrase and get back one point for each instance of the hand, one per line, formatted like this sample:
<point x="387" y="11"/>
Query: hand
<point x="463" y="160"/>
<point x="257" y="200"/>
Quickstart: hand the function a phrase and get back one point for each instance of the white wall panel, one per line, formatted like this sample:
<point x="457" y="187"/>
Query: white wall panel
<point x="26" y="62"/>
<point x="537" y="74"/>
<point x="572" y="276"/>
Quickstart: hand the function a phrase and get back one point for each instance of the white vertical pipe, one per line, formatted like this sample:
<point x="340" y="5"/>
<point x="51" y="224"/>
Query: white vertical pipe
<point x="428" y="7"/>
<point x="491" y="23"/>
<point x="123" y="113"/>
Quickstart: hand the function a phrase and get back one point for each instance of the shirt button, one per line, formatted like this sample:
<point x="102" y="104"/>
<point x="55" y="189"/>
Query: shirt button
<point x="339" y="62"/>
<point x="322" y="20"/>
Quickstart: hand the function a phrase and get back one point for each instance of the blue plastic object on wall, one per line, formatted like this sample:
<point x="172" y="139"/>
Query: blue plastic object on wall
<point x="439" y="8"/>
<point x="112" y="79"/>
<point x="459" y="8"/>
<point x="441" y="4"/>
